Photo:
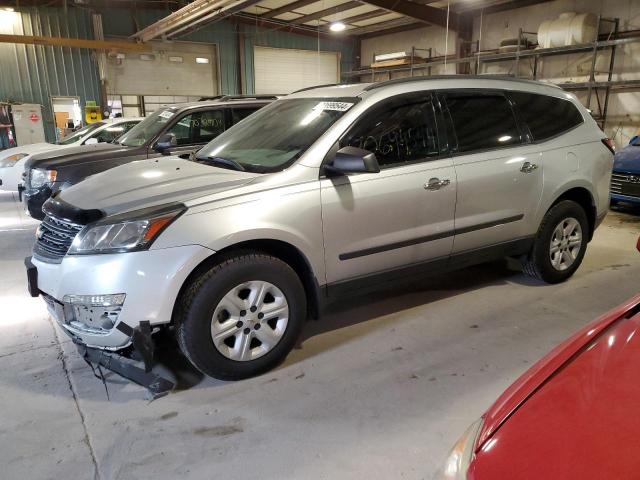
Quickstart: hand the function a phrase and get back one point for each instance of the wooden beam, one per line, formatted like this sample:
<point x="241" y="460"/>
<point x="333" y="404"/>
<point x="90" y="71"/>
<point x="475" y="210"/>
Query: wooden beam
<point x="327" y="11"/>
<point x="365" y="16"/>
<point x="75" y="43"/>
<point x="423" y="13"/>
<point x="289" y="7"/>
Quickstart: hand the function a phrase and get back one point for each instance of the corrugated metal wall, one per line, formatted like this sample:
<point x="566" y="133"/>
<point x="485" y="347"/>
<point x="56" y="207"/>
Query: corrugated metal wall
<point x="33" y="73"/>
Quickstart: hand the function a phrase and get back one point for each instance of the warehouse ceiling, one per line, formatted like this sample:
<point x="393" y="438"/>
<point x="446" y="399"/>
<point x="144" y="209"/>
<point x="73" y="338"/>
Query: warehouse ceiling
<point x="357" y="17"/>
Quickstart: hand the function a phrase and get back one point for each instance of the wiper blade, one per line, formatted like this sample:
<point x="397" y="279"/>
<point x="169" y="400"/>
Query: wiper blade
<point x="227" y="162"/>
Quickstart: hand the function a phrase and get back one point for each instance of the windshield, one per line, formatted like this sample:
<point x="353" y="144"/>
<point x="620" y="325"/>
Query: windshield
<point x="277" y="135"/>
<point x="147" y="129"/>
<point x="77" y="135"/>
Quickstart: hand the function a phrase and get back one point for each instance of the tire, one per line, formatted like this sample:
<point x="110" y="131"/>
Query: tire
<point x="555" y="267"/>
<point x="229" y="291"/>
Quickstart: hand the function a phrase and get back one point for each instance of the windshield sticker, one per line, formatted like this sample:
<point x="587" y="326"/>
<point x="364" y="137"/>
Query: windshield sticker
<point x="166" y="114"/>
<point x="334" y="106"/>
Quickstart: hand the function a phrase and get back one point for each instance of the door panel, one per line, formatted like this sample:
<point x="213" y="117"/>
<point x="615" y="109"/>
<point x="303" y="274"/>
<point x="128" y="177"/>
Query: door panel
<point x="496" y="201"/>
<point x="379" y="221"/>
<point x="499" y="174"/>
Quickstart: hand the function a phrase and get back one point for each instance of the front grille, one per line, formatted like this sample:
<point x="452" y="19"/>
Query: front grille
<point x="626" y="184"/>
<point x="54" y="237"/>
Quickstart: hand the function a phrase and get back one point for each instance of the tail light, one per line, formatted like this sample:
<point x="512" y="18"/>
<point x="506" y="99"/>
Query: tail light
<point x="609" y="144"/>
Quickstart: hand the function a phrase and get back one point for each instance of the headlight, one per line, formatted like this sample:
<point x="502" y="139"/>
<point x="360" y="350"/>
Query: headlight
<point x="118" y="234"/>
<point x="11" y="160"/>
<point x="40" y="177"/>
<point x="458" y="461"/>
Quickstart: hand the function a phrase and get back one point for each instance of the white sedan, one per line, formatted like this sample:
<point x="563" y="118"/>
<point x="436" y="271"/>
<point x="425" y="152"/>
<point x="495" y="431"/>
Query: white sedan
<point x="12" y="160"/>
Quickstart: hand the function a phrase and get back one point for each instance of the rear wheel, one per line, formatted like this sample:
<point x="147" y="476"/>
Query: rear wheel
<point x="560" y="243"/>
<point x="241" y="317"/>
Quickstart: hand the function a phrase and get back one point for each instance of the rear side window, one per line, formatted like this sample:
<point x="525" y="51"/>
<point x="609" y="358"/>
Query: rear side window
<point x="482" y="121"/>
<point x="546" y="116"/>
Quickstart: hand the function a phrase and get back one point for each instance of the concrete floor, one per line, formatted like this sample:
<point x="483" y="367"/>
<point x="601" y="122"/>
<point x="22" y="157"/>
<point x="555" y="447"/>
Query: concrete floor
<point x="381" y="388"/>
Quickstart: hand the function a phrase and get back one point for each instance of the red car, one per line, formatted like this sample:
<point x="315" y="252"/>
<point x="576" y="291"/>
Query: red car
<point x="574" y="415"/>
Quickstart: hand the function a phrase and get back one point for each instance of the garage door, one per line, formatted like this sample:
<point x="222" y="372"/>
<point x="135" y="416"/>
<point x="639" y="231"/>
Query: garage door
<point x="171" y="69"/>
<point x="284" y="70"/>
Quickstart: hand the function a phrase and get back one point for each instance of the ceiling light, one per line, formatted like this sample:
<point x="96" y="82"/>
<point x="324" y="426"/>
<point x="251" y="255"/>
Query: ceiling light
<point x="202" y="60"/>
<point x="337" y="27"/>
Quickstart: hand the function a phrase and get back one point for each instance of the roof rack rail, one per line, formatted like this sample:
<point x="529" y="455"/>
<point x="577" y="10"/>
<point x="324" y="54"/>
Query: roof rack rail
<point x="396" y="81"/>
<point x="226" y="98"/>
<point x="317" y="86"/>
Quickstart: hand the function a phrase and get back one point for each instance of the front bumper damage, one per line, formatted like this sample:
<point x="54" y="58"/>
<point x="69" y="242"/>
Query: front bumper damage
<point x="142" y="345"/>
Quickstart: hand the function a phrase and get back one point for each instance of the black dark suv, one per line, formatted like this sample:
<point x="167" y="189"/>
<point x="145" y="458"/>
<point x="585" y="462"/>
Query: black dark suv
<point x="176" y="130"/>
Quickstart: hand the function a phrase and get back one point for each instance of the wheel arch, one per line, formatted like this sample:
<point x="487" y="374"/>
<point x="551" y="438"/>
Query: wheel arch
<point x="282" y="250"/>
<point x="583" y="197"/>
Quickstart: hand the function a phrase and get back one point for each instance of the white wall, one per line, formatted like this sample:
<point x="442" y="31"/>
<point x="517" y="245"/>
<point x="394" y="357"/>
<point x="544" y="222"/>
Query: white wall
<point x="427" y="37"/>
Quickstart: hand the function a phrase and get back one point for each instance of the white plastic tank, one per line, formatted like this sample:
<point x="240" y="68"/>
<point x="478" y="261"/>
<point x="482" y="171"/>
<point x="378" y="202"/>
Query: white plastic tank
<point x="569" y="28"/>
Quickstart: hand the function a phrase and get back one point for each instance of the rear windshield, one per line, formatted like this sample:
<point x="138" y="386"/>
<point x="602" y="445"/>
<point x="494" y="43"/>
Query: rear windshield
<point x="277" y="135"/>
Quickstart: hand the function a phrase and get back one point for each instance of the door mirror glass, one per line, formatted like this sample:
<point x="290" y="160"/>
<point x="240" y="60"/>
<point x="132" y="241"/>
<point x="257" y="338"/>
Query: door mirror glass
<point x="353" y="160"/>
<point x="91" y="141"/>
<point x="165" y="143"/>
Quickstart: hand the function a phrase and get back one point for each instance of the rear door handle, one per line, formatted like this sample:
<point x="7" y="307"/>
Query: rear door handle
<point x="436" y="184"/>
<point x="528" y="167"/>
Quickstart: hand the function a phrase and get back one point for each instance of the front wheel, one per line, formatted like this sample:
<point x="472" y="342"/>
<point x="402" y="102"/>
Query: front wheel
<point x="560" y="243"/>
<point x="241" y="317"/>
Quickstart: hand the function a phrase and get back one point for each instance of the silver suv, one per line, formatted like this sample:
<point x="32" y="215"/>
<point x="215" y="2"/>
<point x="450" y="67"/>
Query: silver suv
<point x="324" y="193"/>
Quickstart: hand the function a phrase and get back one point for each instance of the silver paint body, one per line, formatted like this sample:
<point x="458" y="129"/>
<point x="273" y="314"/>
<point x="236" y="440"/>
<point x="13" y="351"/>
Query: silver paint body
<point x="325" y="217"/>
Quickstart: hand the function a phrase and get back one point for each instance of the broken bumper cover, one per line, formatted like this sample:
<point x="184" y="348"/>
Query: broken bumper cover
<point x="149" y="280"/>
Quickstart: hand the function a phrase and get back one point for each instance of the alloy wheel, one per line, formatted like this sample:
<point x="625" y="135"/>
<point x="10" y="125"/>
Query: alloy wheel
<point x="249" y="320"/>
<point x="566" y="242"/>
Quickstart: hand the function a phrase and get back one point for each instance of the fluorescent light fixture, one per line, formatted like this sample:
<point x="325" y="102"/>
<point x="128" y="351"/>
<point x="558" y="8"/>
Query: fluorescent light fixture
<point x="504" y="138"/>
<point x="202" y="60"/>
<point x="175" y="59"/>
<point x="337" y="27"/>
<point x="147" y="57"/>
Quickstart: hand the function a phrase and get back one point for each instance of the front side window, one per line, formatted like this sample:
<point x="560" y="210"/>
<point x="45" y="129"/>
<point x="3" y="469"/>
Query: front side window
<point x="482" y="121"/>
<point x="148" y="128"/>
<point x="546" y="116"/>
<point x="79" y="134"/>
<point x="276" y="136"/>
<point x="198" y="127"/>
<point x="398" y="132"/>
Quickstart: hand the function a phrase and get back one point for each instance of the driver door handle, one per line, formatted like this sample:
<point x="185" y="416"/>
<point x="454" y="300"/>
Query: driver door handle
<point x="528" y="167"/>
<point x="436" y="184"/>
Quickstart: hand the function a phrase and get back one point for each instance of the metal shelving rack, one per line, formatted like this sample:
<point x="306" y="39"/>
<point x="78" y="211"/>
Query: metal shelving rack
<point x="600" y="90"/>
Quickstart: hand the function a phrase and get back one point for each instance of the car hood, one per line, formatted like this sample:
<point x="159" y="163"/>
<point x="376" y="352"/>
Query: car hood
<point x="152" y="182"/>
<point x="28" y="149"/>
<point x="627" y="160"/>
<point x="562" y="406"/>
<point x="65" y="155"/>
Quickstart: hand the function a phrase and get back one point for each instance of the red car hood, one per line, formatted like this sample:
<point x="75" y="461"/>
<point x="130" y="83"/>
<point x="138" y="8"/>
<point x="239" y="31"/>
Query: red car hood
<point x="574" y="414"/>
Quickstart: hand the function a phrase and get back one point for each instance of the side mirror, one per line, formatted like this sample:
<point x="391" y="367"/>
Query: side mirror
<point x="165" y="142"/>
<point x="634" y="140"/>
<point x="91" y="141"/>
<point x="353" y="160"/>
